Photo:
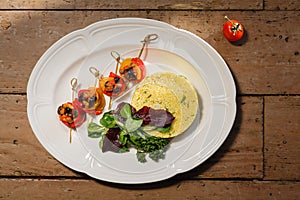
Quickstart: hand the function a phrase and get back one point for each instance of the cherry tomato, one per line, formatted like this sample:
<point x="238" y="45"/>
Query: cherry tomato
<point x="91" y="100"/>
<point x="71" y="114"/>
<point x="233" y="30"/>
<point x="113" y="85"/>
<point x="133" y="69"/>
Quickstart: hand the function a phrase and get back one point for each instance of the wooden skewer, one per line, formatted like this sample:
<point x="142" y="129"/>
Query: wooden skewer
<point x="147" y="39"/>
<point x="96" y="73"/>
<point x="117" y="57"/>
<point x="73" y="86"/>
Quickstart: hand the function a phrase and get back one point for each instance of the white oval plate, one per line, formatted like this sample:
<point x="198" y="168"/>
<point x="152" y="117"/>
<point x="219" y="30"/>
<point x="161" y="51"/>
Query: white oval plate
<point x="175" y="50"/>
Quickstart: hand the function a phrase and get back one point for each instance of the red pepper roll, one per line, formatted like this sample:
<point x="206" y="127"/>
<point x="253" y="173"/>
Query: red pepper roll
<point x="71" y="114"/>
<point x="113" y="85"/>
<point x="133" y="70"/>
<point x="91" y="100"/>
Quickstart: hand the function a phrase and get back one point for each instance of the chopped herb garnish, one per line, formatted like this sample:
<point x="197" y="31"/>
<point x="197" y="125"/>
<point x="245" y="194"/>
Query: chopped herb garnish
<point x="183" y="99"/>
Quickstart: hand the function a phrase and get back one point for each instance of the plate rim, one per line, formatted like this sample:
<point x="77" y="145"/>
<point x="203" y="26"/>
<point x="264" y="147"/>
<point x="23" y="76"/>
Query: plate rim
<point x="116" y="21"/>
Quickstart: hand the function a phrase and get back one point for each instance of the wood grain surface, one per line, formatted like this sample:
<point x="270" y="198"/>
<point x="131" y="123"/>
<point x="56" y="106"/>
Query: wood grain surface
<point x="192" y="189"/>
<point x="272" y="46"/>
<point x="134" y="5"/>
<point x="258" y="160"/>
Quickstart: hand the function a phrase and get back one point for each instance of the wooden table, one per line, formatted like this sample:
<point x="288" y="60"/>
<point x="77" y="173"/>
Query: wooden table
<point x="259" y="159"/>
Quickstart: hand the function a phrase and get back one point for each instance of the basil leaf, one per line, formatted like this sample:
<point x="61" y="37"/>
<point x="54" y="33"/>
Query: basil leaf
<point x="126" y="111"/>
<point x="164" y="129"/>
<point x="108" y="120"/>
<point x="148" y="128"/>
<point x="132" y="125"/>
<point x="101" y="141"/>
<point x="123" y="137"/>
<point x="95" y="130"/>
<point x="141" y="134"/>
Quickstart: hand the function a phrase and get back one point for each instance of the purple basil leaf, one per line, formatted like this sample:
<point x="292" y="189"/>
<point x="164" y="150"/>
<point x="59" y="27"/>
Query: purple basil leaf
<point x="111" y="140"/>
<point x="116" y="112"/>
<point x="154" y="117"/>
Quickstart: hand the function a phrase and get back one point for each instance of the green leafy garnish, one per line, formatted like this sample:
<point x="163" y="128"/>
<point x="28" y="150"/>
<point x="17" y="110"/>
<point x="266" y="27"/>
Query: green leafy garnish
<point x="108" y="120"/>
<point x="141" y="156"/>
<point x="149" y="144"/>
<point x="96" y="131"/>
<point x="123" y="137"/>
<point x="132" y="125"/>
<point x="156" y="155"/>
<point x="164" y="129"/>
<point x="118" y="132"/>
<point x="126" y="111"/>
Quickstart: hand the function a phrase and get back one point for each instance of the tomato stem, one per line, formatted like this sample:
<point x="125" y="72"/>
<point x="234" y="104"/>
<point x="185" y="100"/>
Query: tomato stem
<point x="235" y="26"/>
<point x="229" y="20"/>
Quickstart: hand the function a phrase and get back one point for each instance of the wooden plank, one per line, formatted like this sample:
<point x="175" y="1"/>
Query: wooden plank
<point x="260" y="66"/>
<point x="282" y="5"/>
<point x="239" y="157"/>
<point x="88" y="189"/>
<point x="282" y="117"/>
<point x="134" y="4"/>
